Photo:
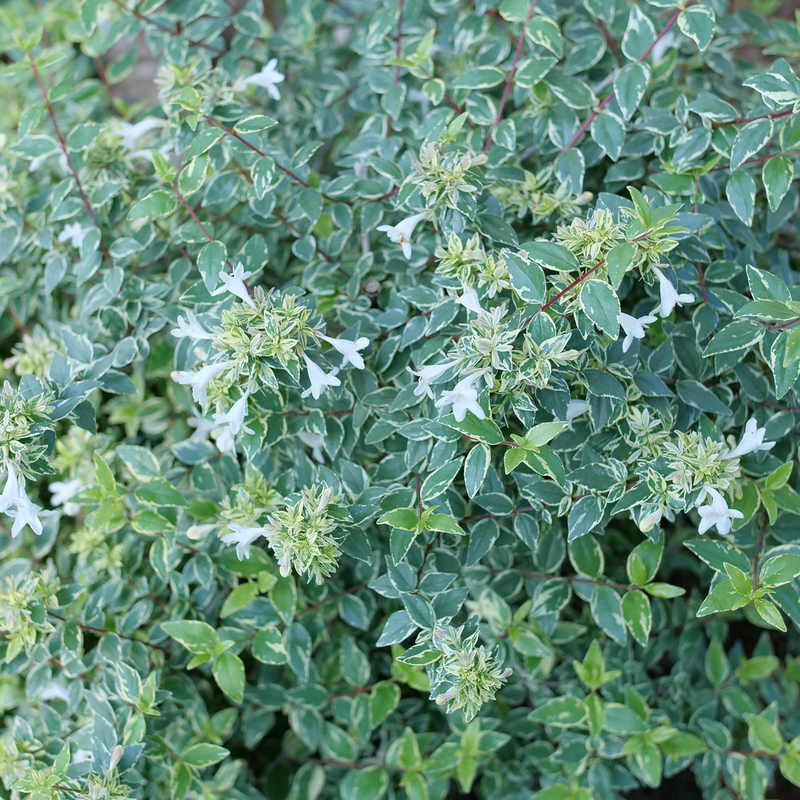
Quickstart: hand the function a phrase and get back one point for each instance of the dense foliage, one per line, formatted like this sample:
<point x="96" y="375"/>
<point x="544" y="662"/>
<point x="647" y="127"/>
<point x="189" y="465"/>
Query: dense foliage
<point x="400" y="399"/>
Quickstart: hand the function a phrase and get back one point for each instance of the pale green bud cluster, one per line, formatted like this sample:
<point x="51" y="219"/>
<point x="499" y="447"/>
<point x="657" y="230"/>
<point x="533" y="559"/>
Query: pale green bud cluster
<point x="24" y="602"/>
<point x="303" y="536"/>
<point x="468" y="675"/>
<point x="444" y="178"/>
<point x="529" y="196"/>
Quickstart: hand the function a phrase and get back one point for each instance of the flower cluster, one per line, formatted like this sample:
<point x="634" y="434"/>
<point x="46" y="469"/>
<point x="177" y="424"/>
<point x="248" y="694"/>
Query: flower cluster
<point x="532" y="196"/>
<point x="305" y="534"/>
<point x="467" y="675"/>
<point x="445" y="180"/>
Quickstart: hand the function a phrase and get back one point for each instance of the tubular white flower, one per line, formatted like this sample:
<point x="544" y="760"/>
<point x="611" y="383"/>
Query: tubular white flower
<point x="199" y="380"/>
<point x="752" y="441"/>
<point x="202" y="426"/>
<point x="315" y="442"/>
<point x="74" y="233"/>
<point x="349" y="349"/>
<point x="267" y="78"/>
<point x="235" y="284"/>
<point x="669" y="295"/>
<point x="62" y="492"/>
<point x="235" y="416"/>
<point x="243" y="537"/>
<point x="11" y="492"/>
<point x="574" y="409"/>
<point x="320" y="380"/>
<point x="132" y="132"/>
<point x="463" y="397"/>
<point x="190" y="328"/>
<point x="717" y="513"/>
<point x="634" y="328"/>
<point x="429" y="374"/>
<point x="54" y="691"/>
<point x="226" y="442"/>
<point x="15" y="502"/>
<point x="401" y="233"/>
<point x="470" y="301"/>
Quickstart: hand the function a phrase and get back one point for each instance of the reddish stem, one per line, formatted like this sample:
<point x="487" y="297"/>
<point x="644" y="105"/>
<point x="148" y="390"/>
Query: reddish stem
<point x="398" y="49"/>
<point x="583" y="128"/>
<point x="507" y="89"/>
<point x="51" y="111"/>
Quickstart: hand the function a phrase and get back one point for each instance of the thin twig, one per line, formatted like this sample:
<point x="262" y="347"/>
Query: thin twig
<point x="507" y="89"/>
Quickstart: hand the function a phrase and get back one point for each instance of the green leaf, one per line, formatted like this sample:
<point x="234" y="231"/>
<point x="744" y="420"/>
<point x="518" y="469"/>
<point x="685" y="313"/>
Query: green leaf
<point x="440" y="479"/>
<point x="637" y="614"/>
<point x="159" y="492"/>
<point x="618" y="260"/>
<point x="749" y="140"/>
<point x="741" y="193"/>
<point x="197" y="637"/>
<point x="630" y="86"/>
<point x="239" y="598"/>
<point x="475" y="468"/>
<point x="607" y="612"/>
<point x="444" y="523"/>
<point x="479" y="78"/>
<point x="698" y="23"/>
<point x="481" y="430"/>
<point x="268" y="648"/>
<point x="777" y="176"/>
<point x="563" y="712"/>
<point x="105" y="477"/>
<point x="204" y="755"/>
<point x="159" y="203"/>
<point x="229" y="674"/>
<point x="404" y="518"/>
<point x="601" y="304"/>
<point x="552" y="256"/>
<point x="737" y="335"/>
<point x="527" y="278"/>
<point x="210" y="262"/>
<point x="545" y="31"/>
<point x="383" y="699"/>
<point x="779" y="570"/>
<point x="608" y="130"/>
<point x="258" y="122"/>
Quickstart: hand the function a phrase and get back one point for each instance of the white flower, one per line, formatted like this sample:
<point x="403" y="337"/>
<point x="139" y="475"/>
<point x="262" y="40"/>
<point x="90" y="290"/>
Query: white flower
<point x="717" y="513"/>
<point x="669" y="295"/>
<point x="73" y="233"/>
<point x="401" y="233"/>
<point x="62" y="492"/>
<point x="147" y="153"/>
<point x="574" y="409"/>
<point x="751" y="442"/>
<point x="267" y="78"/>
<point x="463" y="398"/>
<point x="660" y="48"/>
<point x="243" y="537"/>
<point x="11" y="492"/>
<point x="190" y="328"/>
<point x="81" y="755"/>
<point x="320" y="380"/>
<point x="132" y="132"/>
<point x="15" y="502"/>
<point x="470" y="301"/>
<point x="201" y="425"/>
<point x="199" y="380"/>
<point x="235" y="284"/>
<point x="226" y="442"/>
<point x="315" y="442"/>
<point x="235" y="417"/>
<point x="634" y="328"/>
<point x="54" y="691"/>
<point x="286" y="564"/>
<point x="349" y="349"/>
<point x="429" y="374"/>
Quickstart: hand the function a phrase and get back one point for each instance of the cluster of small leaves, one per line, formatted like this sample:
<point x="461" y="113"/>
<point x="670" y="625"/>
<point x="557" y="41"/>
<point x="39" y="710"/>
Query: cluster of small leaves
<point x="400" y="398"/>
